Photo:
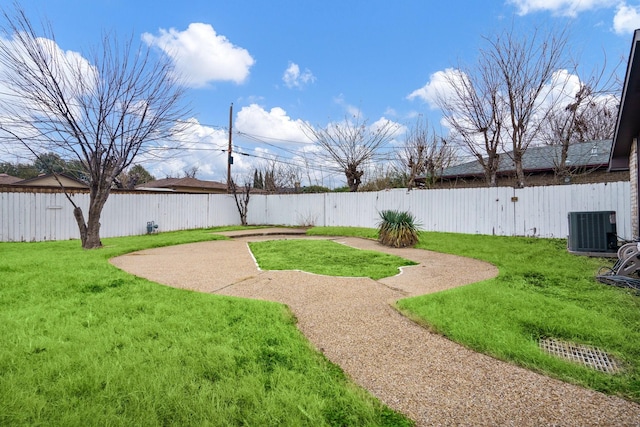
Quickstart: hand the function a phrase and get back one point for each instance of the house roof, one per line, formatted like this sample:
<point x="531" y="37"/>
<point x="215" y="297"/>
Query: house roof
<point x="628" y="123"/>
<point x="541" y="159"/>
<point x="185" y="183"/>
<point x="48" y="180"/>
<point x="6" y="179"/>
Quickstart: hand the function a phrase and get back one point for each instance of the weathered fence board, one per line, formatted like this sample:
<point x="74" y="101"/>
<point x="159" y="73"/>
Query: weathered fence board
<point x="27" y="216"/>
<point x="531" y="211"/>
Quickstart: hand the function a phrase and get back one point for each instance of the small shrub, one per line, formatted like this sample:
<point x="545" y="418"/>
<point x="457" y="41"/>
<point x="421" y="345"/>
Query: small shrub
<point x="315" y="189"/>
<point x="397" y="229"/>
<point x="344" y="189"/>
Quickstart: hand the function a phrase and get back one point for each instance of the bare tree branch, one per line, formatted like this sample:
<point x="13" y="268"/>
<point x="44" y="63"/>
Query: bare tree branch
<point x="424" y="153"/>
<point x="474" y="112"/>
<point x="351" y="144"/>
<point x="587" y="114"/>
<point x="525" y="66"/>
<point x="101" y="112"/>
<point x="506" y="98"/>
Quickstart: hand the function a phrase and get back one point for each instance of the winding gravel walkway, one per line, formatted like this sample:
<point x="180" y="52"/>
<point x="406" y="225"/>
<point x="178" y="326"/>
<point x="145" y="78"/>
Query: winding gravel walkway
<point x="429" y="378"/>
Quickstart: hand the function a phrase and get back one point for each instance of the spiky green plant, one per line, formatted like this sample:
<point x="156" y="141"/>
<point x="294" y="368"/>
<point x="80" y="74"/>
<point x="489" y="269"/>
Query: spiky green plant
<point x="397" y="229"/>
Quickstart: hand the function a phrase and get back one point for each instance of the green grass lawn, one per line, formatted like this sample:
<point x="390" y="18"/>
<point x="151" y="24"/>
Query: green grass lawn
<point x="83" y="343"/>
<point x="325" y="257"/>
<point x="541" y="291"/>
<point x="367" y="233"/>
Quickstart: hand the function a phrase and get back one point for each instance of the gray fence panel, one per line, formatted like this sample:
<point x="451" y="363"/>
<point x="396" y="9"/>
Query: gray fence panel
<point x="128" y="214"/>
<point x="531" y="211"/>
<point x="287" y="209"/>
<point x="49" y="216"/>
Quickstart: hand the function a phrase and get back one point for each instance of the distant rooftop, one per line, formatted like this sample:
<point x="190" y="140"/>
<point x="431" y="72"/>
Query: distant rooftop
<point x="542" y="158"/>
<point x="43" y="180"/>
<point x="178" y="184"/>
<point x="6" y="179"/>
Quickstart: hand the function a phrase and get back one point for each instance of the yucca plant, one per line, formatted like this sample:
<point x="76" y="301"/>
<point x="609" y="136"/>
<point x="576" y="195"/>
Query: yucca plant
<point x="397" y="229"/>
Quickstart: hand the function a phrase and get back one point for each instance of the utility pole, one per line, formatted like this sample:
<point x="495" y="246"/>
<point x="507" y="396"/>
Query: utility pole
<point x="230" y="150"/>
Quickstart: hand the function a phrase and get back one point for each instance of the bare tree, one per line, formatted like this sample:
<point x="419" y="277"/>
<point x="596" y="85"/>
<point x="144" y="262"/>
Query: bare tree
<point x="472" y="108"/>
<point x="241" y="195"/>
<point x="191" y="172"/>
<point x="505" y="99"/>
<point x="424" y="153"/>
<point x="273" y="176"/>
<point x="588" y="114"/>
<point x="525" y="66"/>
<point x="101" y="113"/>
<point x="292" y="176"/>
<point x="309" y="169"/>
<point x="383" y="176"/>
<point x="351" y="144"/>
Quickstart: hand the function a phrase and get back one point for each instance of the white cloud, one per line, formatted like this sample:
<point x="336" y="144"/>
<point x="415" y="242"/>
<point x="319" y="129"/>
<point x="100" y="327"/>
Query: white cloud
<point x="293" y="78"/>
<point x="205" y="147"/>
<point x="289" y="144"/>
<point x="397" y="128"/>
<point x="561" y="90"/>
<point x="68" y="66"/>
<point x="275" y="124"/>
<point x="351" y="110"/>
<point x="626" y="19"/>
<point x="21" y="108"/>
<point x="439" y="84"/>
<point x="560" y="7"/>
<point x="391" y="112"/>
<point x="202" y="56"/>
<point x="196" y="145"/>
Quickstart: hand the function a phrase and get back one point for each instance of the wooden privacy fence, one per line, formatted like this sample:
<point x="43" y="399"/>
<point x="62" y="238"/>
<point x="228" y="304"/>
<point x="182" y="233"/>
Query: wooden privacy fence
<point x="532" y="211"/>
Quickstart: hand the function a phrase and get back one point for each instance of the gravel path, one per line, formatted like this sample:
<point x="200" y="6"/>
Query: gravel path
<point x="429" y="378"/>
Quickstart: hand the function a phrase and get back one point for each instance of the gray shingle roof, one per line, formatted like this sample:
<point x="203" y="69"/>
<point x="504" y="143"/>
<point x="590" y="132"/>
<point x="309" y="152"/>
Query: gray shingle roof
<point x="541" y="158"/>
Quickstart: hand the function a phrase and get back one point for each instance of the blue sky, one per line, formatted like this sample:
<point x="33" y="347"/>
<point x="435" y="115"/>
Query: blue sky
<point x="284" y="62"/>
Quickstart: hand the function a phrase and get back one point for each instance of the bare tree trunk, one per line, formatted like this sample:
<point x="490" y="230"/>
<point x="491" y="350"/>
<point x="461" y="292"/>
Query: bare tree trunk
<point x="90" y="229"/>
<point x="242" y="200"/>
<point x="354" y="177"/>
<point x="517" y="159"/>
<point x="93" y="220"/>
<point x="491" y="169"/>
<point x="82" y="226"/>
<point x="92" y="238"/>
<point x="474" y="111"/>
<point x="563" y="170"/>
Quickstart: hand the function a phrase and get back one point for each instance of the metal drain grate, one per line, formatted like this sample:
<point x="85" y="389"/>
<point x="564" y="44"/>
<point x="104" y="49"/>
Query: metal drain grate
<point x="589" y="356"/>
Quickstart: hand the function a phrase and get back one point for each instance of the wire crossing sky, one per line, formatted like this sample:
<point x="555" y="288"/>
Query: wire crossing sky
<point x="287" y="62"/>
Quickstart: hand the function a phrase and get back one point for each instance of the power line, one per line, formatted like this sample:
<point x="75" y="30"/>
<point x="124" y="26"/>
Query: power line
<point x="261" y="138"/>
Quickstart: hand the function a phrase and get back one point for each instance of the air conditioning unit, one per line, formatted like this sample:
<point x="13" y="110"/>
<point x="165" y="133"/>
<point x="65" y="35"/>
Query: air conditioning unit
<point x="592" y="232"/>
